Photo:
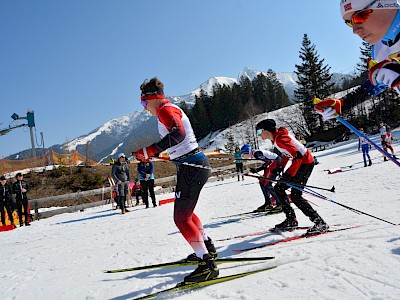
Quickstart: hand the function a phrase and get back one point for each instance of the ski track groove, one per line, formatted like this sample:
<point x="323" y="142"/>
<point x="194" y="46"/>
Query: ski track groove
<point x="368" y="278"/>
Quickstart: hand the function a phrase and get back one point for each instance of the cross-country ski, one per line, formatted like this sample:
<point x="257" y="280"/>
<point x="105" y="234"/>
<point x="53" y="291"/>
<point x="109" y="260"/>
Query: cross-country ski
<point x="291" y="239"/>
<point x="183" y="286"/>
<point x="185" y="262"/>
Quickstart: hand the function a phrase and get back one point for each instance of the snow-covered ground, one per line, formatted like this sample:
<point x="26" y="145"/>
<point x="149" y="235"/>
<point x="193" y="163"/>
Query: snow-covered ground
<point x="62" y="257"/>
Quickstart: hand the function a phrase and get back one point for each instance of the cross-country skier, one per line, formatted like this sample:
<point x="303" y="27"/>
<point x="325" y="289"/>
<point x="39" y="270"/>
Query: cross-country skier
<point x="378" y="23"/>
<point x="365" y="147"/>
<point x="298" y="173"/>
<point x="271" y="161"/>
<point x="387" y="140"/>
<point x="180" y="144"/>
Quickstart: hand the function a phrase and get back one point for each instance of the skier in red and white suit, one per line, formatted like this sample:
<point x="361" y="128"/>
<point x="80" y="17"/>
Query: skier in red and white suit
<point x="297" y="174"/>
<point x="179" y="141"/>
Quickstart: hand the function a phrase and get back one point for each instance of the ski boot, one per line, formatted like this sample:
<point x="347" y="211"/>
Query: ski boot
<point x="319" y="226"/>
<point x="206" y="270"/>
<point x="210" y="248"/>
<point x="370" y="163"/>
<point x="288" y="223"/>
<point x="265" y="207"/>
<point x="276" y="210"/>
<point x="191" y="258"/>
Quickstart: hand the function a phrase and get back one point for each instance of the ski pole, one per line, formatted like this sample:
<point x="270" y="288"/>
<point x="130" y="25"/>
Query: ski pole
<point x="219" y="169"/>
<point x="356" y="131"/>
<point x="332" y="190"/>
<point x="227" y="158"/>
<point x="315" y="194"/>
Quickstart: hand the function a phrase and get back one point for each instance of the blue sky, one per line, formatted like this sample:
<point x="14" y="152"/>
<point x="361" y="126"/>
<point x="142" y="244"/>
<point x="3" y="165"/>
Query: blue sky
<point x="79" y="64"/>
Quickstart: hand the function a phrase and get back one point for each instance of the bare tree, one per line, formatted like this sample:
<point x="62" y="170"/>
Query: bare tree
<point x="293" y="119"/>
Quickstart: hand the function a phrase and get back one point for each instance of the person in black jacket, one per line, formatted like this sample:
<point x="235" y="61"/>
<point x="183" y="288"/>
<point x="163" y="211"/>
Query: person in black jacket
<point x="20" y="189"/>
<point x="120" y="174"/>
<point x="5" y="200"/>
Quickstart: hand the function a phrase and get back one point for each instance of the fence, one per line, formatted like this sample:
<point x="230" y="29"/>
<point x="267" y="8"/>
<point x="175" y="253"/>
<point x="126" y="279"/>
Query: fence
<point x="49" y="158"/>
<point x="79" y="204"/>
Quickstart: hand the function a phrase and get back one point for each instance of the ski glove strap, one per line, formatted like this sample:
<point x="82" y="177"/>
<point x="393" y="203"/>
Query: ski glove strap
<point x="145" y="153"/>
<point x="386" y="72"/>
<point x="329" y="108"/>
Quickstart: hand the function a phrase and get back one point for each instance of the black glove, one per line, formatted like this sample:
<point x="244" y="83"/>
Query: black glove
<point x="253" y="170"/>
<point x="277" y="171"/>
<point x="260" y="156"/>
<point x="286" y="177"/>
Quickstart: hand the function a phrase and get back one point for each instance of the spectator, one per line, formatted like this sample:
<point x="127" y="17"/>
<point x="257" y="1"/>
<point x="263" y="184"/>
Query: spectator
<point x="239" y="163"/>
<point x="120" y="174"/>
<point x="146" y="173"/>
<point x="20" y="189"/>
<point x="137" y="191"/>
<point x="5" y="200"/>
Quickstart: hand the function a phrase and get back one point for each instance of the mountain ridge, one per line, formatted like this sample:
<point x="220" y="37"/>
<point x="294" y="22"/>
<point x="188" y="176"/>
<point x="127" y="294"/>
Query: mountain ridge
<point x="119" y="134"/>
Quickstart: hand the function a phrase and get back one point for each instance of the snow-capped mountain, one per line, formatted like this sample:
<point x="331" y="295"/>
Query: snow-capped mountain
<point x="206" y="86"/>
<point x="139" y="128"/>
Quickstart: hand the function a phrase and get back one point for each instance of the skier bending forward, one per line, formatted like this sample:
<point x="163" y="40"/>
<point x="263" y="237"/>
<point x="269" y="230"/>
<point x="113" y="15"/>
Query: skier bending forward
<point x="180" y="144"/>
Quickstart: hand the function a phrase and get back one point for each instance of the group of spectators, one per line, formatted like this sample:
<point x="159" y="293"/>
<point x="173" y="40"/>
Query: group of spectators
<point x="143" y="186"/>
<point x="20" y="189"/>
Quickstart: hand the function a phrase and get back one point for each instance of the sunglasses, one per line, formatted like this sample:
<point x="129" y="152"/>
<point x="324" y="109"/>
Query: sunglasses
<point x="143" y="102"/>
<point x="259" y="131"/>
<point x="360" y="16"/>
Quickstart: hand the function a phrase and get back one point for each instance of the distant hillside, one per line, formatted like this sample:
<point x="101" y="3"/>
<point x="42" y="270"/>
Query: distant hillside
<point x="138" y="129"/>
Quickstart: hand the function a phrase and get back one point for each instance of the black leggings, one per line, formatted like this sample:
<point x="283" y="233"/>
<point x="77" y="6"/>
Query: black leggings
<point x="148" y="188"/>
<point x="22" y="203"/>
<point x="190" y="181"/>
<point x="300" y="178"/>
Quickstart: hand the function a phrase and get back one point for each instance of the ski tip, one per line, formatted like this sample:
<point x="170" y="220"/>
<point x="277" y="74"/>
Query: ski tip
<point x="333" y="189"/>
<point x="237" y="251"/>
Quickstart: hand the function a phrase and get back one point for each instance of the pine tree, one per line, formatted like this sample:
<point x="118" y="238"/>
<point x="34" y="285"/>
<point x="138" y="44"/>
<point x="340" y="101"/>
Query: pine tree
<point x="231" y="144"/>
<point x="314" y="79"/>
<point x="280" y="97"/>
<point x="262" y="93"/>
<point x="199" y="116"/>
<point x="246" y="89"/>
<point x="362" y="66"/>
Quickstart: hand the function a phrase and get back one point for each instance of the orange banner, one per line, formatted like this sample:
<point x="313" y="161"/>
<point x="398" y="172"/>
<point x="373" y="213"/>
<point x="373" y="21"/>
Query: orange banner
<point x="49" y="158"/>
<point x="15" y="216"/>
